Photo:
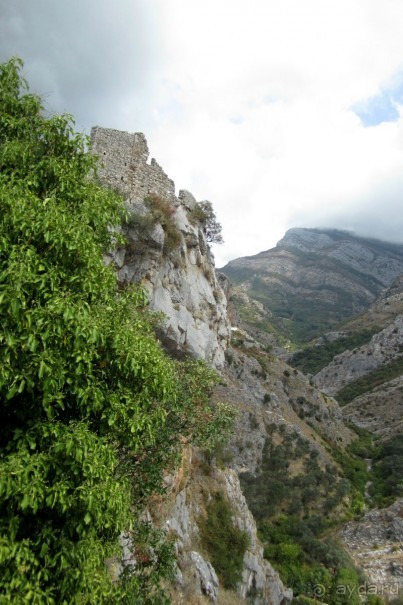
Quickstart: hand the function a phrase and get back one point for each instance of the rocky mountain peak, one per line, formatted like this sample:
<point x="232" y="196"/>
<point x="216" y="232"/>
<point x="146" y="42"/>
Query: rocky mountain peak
<point x="315" y="279"/>
<point x="380" y="260"/>
<point x="305" y="239"/>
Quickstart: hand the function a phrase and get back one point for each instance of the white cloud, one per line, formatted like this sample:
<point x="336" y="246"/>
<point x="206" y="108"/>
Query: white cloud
<point x="248" y="103"/>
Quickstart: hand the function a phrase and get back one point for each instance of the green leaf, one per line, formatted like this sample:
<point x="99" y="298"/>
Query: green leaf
<point x="87" y="518"/>
<point x="42" y="369"/>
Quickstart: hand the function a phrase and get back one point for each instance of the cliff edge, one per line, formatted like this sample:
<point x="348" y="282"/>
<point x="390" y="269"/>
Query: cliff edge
<point x="167" y="251"/>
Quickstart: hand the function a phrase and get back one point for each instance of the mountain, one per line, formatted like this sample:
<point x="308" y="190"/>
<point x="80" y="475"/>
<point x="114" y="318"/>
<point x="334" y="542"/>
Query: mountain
<point x="255" y="484"/>
<point x="312" y="281"/>
<point x="361" y="365"/>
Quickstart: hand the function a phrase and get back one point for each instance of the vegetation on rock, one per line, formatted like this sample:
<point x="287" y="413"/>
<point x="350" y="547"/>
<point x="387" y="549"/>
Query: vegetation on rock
<point x="315" y="566"/>
<point x="388" y="471"/>
<point x="314" y="357"/>
<point x="298" y="501"/>
<point x="225" y="543"/>
<point x="370" y="381"/>
<point x="204" y="213"/>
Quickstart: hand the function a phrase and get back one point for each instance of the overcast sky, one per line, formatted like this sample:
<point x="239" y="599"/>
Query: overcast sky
<point x="282" y="113"/>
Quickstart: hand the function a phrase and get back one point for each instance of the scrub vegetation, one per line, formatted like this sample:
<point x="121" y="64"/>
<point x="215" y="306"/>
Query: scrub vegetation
<point x="224" y="542"/>
<point x="298" y="503"/>
<point x="313" y="358"/>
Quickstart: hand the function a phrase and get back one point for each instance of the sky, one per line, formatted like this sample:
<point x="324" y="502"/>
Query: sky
<point x="282" y="113"/>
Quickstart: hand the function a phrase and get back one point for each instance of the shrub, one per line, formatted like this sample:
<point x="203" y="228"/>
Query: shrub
<point x="305" y="560"/>
<point x="203" y="212"/>
<point x="160" y="211"/>
<point x="163" y="211"/>
<point x="225" y="543"/>
<point x="388" y="471"/>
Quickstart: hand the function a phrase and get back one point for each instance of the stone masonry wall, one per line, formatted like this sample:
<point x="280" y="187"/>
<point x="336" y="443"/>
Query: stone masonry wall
<point x="124" y="166"/>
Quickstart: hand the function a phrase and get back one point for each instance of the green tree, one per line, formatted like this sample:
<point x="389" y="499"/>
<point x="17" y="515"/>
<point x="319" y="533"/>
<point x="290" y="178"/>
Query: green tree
<point x="212" y="228"/>
<point x="91" y="409"/>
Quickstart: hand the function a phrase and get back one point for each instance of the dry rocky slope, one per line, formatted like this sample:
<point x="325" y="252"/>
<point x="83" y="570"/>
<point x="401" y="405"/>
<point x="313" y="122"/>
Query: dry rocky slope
<point x="378" y="406"/>
<point x="365" y="278"/>
<point x="375" y="544"/>
<point x="371" y="376"/>
<point x="314" y="279"/>
<point x="384" y="347"/>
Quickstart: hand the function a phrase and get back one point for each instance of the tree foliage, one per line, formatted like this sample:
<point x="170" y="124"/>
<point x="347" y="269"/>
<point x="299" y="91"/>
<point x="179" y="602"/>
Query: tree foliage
<point x="91" y="408"/>
<point x="212" y="228"/>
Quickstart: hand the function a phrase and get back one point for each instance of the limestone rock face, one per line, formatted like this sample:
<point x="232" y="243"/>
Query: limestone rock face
<point x="258" y="576"/>
<point x="260" y="583"/>
<point x="167" y="252"/>
<point x="207" y="576"/>
<point x="384" y="347"/>
<point x="375" y="544"/>
<point x="364" y="256"/>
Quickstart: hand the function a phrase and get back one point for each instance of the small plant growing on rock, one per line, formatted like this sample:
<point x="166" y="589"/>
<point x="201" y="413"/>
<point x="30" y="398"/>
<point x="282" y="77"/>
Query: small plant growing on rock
<point x="203" y="212"/>
<point x="224" y="541"/>
<point x="163" y="212"/>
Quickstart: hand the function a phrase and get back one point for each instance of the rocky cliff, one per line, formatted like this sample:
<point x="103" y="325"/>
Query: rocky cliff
<point x="184" y="513"/>
<point x="375" y="544"/>
<point x="166" y="252"/>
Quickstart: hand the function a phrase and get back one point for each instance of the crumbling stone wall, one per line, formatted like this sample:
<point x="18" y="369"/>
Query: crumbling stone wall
<point x="124" y="167"/>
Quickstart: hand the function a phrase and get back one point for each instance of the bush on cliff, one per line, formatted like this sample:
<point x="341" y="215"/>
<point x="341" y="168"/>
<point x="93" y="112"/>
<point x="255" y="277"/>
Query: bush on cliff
<point x="91" y="409"/>
<point x="224" y="542"/>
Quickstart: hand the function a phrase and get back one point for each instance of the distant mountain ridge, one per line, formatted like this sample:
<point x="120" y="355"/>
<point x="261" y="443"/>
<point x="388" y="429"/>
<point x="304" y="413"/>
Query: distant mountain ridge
<point x="315" y="279"/>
